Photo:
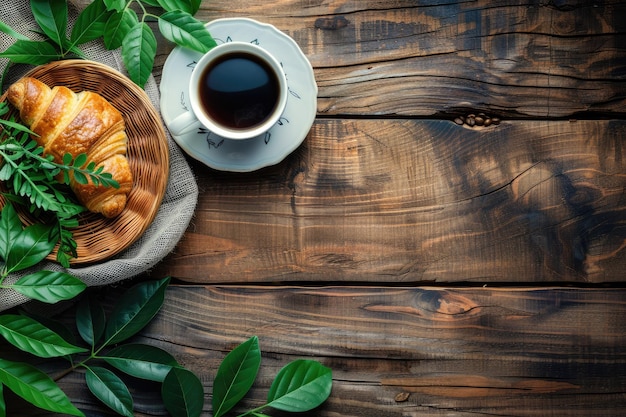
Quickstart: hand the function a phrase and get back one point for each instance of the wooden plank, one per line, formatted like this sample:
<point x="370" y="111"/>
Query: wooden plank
<point x="418" y="200"/>
<point x="413" y="58"/>
<point x="408" y="58"/>
<point x="454" y="351"/>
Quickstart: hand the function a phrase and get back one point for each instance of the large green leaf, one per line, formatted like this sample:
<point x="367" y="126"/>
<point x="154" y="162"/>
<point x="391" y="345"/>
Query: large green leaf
<point x="10" y="227"/>
<point x="185" y="30"/>
<point x="11" y="32"/>
<point x="138" y="53"/>
<point x="141" y="361"/>
<point x="189" y="6"/>
<point x="118" y="26"/>
<point x="117" y="5"/>
<point x="90" y="320"/>
<point x="235" y="376"/>
<point x="31" y="52"/>
<point x="183" y="394"/>
<point x="35" y="387"/>
<point x="49" y="286"/>
<point x="300" y="386"/>
<point x="110" y="389"/>
<point x="3" y="405"/>
<point x="134" y="309"/>
<point x="51" y="16"/>
<point x="90" y="23"/>
<point x="33" y="337"/>
<point x="29" y="247"/>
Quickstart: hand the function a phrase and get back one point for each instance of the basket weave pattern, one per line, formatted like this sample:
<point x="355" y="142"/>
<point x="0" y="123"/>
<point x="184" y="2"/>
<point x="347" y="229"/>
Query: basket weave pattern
<point x="99" y="238"/>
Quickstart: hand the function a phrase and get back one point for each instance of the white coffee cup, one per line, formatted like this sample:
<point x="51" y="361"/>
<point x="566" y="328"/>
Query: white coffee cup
<point x="237" y="90"/>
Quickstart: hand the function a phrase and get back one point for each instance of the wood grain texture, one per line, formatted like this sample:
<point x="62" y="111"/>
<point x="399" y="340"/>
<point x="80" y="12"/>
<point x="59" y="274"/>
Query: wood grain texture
<point x="424" y="58"/>
<point x="405" y="201"/>
<point x="453" y="351"/>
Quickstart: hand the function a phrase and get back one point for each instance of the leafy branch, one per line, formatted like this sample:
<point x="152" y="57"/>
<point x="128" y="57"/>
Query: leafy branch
<point x="35" y="180"/>
<point x="117" y="24"/>
<point x="300" y="386"/>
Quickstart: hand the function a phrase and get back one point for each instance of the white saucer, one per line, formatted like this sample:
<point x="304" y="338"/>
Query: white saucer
<point x="261" y="151"/>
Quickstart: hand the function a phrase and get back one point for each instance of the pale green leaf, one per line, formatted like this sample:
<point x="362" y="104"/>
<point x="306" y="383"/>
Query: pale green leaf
<point x="138" y="53"/>
<point x="235" y="376"/>
<point x="300" y="386"/>
<point x="33" y="337"/>
<point x="183" y="394"/>
<point x="184" y="30"/>
<point x="35" y="387"/>
<point x="49" y="286"/>
<point x="109" y="389"/>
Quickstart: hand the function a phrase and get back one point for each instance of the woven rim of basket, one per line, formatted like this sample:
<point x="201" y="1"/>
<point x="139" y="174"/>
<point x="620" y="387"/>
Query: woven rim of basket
<point x="99" y="238"/>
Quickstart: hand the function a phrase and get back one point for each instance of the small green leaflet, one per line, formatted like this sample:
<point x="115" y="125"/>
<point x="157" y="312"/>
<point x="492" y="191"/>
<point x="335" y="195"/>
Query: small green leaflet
<point x="35" y="387"/>
<point x="32" y="337"/>
<point x="236" y="376"/>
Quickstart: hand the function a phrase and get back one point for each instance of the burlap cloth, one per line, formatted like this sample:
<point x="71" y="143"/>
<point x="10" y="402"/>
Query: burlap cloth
<point x="181" y="194"/>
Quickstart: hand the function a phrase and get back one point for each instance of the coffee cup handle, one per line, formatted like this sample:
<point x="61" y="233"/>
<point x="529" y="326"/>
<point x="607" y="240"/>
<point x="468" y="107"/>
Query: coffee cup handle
<point x="184" y="123"/>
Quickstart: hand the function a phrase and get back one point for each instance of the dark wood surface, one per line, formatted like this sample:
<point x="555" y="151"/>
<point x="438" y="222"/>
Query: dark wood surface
<point x="439" y="268"/>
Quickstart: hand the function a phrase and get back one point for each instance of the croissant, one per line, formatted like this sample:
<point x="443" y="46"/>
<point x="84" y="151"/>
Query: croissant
<point x="75" y="123"/>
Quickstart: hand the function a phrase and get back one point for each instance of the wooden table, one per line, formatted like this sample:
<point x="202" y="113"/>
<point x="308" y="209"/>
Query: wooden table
<point x="441" y="265"/>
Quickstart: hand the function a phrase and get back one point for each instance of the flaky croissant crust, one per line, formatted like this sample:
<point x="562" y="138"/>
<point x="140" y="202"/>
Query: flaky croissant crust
<point x="75" y="123"/>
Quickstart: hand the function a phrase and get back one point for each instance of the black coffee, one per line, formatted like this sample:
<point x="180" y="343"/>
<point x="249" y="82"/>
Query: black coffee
<point x="239" y="90"/>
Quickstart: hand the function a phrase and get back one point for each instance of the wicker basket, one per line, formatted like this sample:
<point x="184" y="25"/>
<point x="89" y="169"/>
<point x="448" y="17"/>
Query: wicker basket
<point x="99" y="238"/>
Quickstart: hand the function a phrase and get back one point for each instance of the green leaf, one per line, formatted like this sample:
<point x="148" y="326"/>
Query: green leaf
<point x="300" y="386"/>
<point x="138" y="53"/>
<point x="30" y="247"/>
<point x="90" y="23"/>
<point x="141" y="361"/>
<point x="49" y="286"/>
<point x="90" y="320"/>
<point x="51" y="16"/>
<point x="118" y="26"/>
<point x="35" y="387"/>
<point x="10" y="228"/>
<point x="117" y="5"/>
<point x="235" y="376"/>
<point x="31" y="52"/>
<point x="3" y="405"/>
<point x="134" y="309"/>
<point x="11" y="32"/>
<point x="184" y="30"/>
<point x="33" y="337"/>
<point x="188" y="6"/>
<point x="183" y="394"/>
<point x="110" y="389"/>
